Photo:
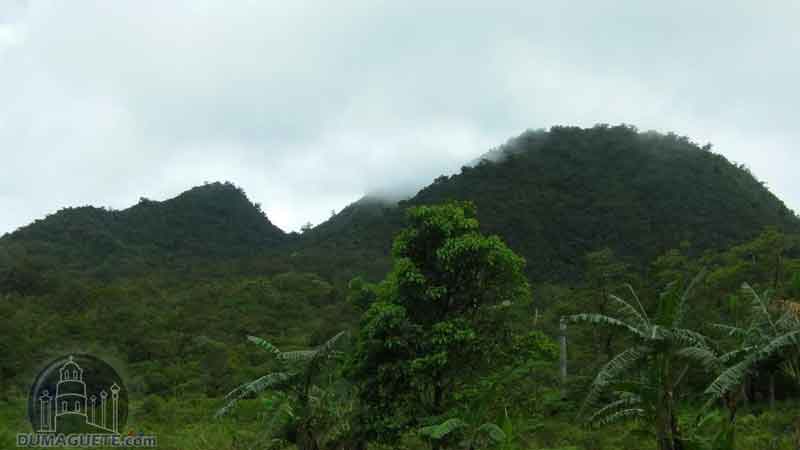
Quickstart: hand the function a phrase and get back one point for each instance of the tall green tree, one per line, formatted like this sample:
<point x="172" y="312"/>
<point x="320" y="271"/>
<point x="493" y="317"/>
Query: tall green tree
<point x="429" y="324"/>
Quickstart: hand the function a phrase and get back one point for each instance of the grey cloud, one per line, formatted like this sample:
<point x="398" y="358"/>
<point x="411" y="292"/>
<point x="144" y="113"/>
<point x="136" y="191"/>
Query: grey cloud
<point x="310" y="105"/>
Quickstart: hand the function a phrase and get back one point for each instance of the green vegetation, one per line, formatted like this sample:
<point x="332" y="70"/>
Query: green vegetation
<point x="556" y="195"/>
<point x="645" y="377"/>
<point x="434" y="323"/>
<point x="434" y="320"/>
<point x="302" y="403"/>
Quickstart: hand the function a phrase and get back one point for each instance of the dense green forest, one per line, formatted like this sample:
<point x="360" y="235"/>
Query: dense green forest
<point x="434" y="322"/>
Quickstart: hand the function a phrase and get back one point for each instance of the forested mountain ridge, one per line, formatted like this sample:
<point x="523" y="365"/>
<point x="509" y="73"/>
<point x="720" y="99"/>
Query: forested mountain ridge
<point x="354" y="242"/>
<point x="571" y="191"/>
<point x="215" y="220"/>
<point x="556" y="195"/>
<point x="171" y="291"/>
<point x="552" y="195"/>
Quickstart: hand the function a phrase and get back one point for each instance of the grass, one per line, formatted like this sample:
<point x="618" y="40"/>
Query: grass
<point x="184" y="424"/>
<point x="187" y="424"/>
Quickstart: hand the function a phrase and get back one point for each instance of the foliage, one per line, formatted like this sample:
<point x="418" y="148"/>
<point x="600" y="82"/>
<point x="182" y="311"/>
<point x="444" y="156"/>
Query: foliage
<point x="212" y="222"/>
<point x="772" y="335"/>
<point x="646" y="378"/>
<point x="428" y="324"/>
<point x="457" y="431"/>
<point x="300" y="393"/>
<point x="169" y="289"/>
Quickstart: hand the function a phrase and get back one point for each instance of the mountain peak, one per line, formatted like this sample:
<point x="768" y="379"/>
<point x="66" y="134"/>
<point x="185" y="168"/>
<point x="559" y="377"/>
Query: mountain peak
<point x="556" y="195"/>
<point x="210" y="221"/>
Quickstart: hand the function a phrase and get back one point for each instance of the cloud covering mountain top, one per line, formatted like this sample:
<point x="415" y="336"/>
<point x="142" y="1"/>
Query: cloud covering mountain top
<point x="310" y="105"/>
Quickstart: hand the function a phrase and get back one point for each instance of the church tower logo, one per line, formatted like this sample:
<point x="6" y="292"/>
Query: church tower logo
<point x="78" y="394"/>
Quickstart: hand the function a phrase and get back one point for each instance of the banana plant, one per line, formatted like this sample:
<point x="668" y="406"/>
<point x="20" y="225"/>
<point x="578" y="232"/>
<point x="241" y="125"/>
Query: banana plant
<point x="297" y="381"/>
<point x="458" y="431"/>
<point x="772" y="335"/>
<point x="642" y="383"/>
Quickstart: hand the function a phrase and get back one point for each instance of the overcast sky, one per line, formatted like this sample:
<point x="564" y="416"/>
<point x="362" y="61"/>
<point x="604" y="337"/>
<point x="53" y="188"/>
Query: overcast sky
<point x="307" y="106"/>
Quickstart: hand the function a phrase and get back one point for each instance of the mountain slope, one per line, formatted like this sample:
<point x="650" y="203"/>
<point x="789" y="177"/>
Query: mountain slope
<point x="552" y="195"/>
<point x="212" y="221"/>
<point x="556" y="195"/>
<point x="355" y="242"/>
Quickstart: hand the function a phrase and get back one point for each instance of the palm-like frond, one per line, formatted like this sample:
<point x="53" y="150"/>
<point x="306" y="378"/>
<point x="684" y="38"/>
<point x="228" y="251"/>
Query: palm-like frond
<point x="330" y="345"/>
<point x="279" y="379"/>
<point x="737" y="354"/>
<point x="269" y="381"/>
<point x="630" y="312"/>
<point x="638" y="302"/>
<point x="733" y="376"/>
<point x="622" y="415"/>
<point x="322" y="350"/>
<point x="266" y="345"/>
<point x="764" y="337"/>
<point x="729" y="379"/>
<point x="680" y="310"/>
<point x="704" y="356"/>
<point x="253" y="387"/>
<point x="759" y="305"/>
<point x="625" y="402"/>
<point x="601" y="319"/>
<point x="443" y="429"/>
<point x="690" y="338"/>
<point x="732" y="330"/>
<point x="651" y="366"/>
<point x="792" y="338"/>
<point x="612" y="370"/>
<point x="493" y="432"/>
<point x="298" y="355"/>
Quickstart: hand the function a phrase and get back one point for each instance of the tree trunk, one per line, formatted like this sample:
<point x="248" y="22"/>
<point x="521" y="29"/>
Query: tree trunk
<point x="745" y="394"/>
<point x="797" y="432"/>
<point x="306" y="439"/>
<point x="668" y="431"/>
<point x="608" y="348"/>
<point x="677" y="443"/>
<point x="776" y="281"/>
<point x="670" y="438"/>
<point x="563" y="339"/>
<point x="772" y="390"/>
<point x="438" y="393"/>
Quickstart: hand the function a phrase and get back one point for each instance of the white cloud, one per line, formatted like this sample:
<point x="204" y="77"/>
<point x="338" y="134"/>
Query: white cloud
<point x="307" y="106"/>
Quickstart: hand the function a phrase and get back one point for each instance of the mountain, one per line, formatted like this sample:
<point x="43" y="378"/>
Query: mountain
<point x="553" y="196"/>
<point x="207" y="222"/>
<point x="174" y="287"/>
<point x="556" y="195"/>
<point x="355" y="242"/>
